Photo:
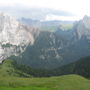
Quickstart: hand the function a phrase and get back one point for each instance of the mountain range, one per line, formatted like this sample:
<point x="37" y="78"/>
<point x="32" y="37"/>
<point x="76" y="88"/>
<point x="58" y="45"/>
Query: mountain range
<point x="43" y="49"/>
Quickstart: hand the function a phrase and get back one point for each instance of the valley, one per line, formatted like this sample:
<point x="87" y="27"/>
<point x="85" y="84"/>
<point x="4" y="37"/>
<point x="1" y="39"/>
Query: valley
<point x="34" y="59"/>
<point x="44" y="45"/>
<point x="72" y="76"/>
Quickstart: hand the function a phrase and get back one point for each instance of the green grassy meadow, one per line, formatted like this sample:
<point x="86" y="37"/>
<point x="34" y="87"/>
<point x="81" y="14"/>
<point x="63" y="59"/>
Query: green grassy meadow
<point x="13" y="79"/>
<point x="67" y="82"/>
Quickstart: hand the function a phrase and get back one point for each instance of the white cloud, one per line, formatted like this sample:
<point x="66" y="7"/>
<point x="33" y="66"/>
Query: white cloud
<point x="76" y="6"/>
<point x="64" y="18"/>
<point x="79" y="7"/>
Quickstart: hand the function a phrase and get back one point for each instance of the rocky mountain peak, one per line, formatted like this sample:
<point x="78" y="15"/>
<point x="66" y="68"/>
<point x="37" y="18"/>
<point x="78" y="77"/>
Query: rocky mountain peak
<point x="86" y="21"/>
<point x="82" y="28"/>
<point x="14" y="36"/>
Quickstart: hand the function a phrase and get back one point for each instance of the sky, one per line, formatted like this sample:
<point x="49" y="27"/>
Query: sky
<point x="77" y="8"/>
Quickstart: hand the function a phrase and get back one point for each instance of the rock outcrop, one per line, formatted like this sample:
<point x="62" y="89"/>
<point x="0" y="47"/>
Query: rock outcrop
<point x="14" y="36"/>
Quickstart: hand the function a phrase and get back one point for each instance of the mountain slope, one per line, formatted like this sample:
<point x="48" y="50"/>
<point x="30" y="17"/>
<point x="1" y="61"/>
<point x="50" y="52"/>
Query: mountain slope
<point x="81" y="67"/>
<point x="54" y="49"/>
<point x="44" y="52"/>
<point x="8" y="68"/>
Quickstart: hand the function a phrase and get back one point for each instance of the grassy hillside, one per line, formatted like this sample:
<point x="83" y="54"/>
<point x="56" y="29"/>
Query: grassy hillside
<point x="8" y="68"/>
<point x="12" y="78"/>
<point x="68" y="82"/>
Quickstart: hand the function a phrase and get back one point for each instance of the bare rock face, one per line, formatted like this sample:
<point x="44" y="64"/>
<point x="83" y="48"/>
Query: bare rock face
<point x="86" y="21"/>
<point x="82" y="28"/>
<point x="14" y="36"/>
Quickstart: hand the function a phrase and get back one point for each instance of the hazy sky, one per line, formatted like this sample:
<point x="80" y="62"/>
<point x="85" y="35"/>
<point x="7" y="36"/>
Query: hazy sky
<point x="77" y="7"/>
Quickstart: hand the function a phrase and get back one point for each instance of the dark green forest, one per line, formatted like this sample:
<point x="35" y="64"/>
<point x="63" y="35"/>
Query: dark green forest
<point x="80" y="67"/>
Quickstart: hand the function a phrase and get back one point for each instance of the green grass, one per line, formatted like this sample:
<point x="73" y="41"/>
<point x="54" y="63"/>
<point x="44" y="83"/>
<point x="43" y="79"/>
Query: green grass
<point x="23" y="88"/>
<point x="10" y="79"/>
<point x="49" y="28"/>
<point x="67" y="26"/>
<point x="67" y="82"/>
<point x="7" y="68"/>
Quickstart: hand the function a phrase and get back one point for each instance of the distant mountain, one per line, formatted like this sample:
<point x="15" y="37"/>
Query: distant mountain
<point x="30" y="22"/>
<point x="47" y="25"/>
